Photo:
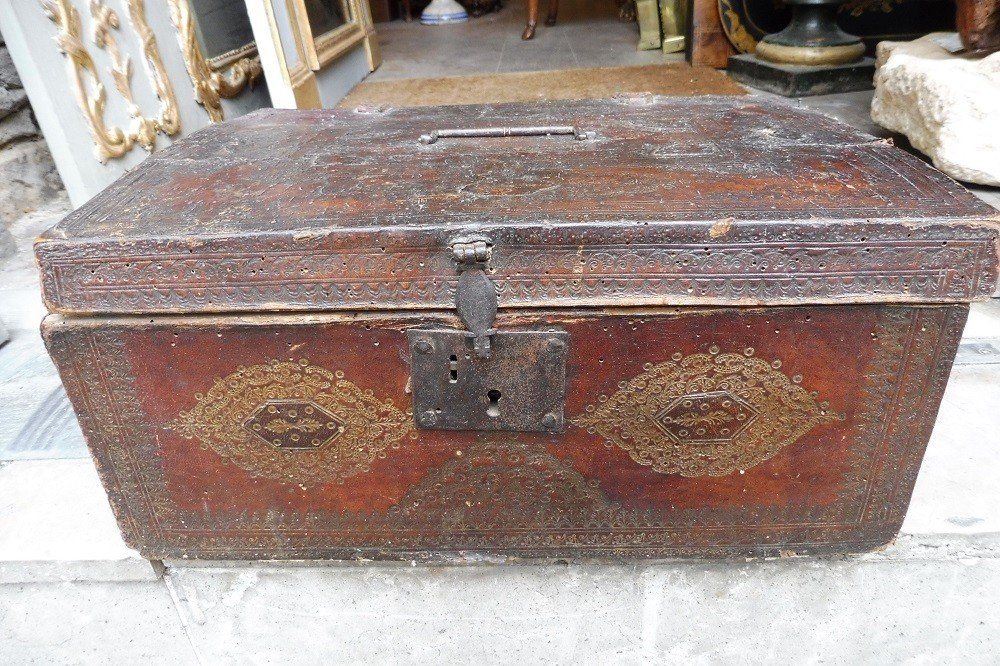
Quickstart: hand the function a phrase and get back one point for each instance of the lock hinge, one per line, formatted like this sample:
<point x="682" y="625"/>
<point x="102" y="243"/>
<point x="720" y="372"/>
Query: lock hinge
<point x="472" y="253"/>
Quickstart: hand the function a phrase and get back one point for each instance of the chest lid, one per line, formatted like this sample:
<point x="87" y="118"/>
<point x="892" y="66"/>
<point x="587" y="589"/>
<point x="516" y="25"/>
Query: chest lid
<point x="626" y="202"/>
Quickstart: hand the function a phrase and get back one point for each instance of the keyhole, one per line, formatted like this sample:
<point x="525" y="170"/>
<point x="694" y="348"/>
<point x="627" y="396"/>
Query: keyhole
<point x="453" y="367"/>
<point x="493" y="410"/>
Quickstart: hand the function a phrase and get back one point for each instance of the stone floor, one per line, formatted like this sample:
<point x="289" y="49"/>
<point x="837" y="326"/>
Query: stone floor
<point x="72" y="592"/>
<point x="588" y="34"/>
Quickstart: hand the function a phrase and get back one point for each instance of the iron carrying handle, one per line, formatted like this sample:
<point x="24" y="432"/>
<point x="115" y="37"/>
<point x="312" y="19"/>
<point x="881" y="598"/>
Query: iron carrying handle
<point x="542" y="130"/>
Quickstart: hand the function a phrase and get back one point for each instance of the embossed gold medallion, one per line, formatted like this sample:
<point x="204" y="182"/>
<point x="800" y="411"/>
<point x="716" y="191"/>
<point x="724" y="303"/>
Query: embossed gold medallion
<point x="706" y="414"/>
<point x="294" y="422"/>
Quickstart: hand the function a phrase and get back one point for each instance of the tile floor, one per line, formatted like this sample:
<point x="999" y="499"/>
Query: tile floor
<point x="588" y="34"/>
<point x="35" y="418"/>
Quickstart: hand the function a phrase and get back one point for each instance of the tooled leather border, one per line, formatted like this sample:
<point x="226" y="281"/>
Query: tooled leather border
<point x="906" y="378"/>
<point x="752" y="263"/>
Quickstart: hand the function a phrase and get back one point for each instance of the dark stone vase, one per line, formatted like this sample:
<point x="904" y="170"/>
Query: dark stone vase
<point x="812" y="38"/>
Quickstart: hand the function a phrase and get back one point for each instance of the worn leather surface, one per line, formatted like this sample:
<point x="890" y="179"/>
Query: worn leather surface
<point x="725" y="432"/>
<point x="716" y="200"/>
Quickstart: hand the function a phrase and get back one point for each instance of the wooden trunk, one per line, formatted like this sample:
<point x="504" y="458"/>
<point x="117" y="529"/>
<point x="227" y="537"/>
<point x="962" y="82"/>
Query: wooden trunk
<point x="707" y="43"/>
<point x="978" y="23"/>
<point x="724" y="329"/>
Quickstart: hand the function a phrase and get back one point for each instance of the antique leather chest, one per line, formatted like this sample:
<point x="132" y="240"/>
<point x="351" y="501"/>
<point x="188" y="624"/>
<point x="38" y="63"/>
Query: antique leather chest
<point x="638" y="327"/>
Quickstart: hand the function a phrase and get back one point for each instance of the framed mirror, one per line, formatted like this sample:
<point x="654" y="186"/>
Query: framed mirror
<point x="223" y="31"/>
<point x="218" y="46"/>
<point x="330" y="28"/>
<point x="325" y="16"/>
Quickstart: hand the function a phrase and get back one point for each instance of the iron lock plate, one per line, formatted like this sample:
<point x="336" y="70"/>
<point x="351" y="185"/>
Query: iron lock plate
<point x="520" y="386"/>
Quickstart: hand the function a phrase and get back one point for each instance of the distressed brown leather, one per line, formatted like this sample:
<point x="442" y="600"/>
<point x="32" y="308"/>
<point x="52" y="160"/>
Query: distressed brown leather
<point x="762" y="309"/>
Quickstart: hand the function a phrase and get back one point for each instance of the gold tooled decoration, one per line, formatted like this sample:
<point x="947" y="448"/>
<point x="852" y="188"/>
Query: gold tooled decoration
<point x="501" y="483"/>
<point x="706" y="414"/>
<point x="294" y="422"/>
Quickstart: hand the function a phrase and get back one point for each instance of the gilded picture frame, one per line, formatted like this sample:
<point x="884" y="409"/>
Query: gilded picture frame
<point x="223" y="76"/>
<point x="319" y="50"/>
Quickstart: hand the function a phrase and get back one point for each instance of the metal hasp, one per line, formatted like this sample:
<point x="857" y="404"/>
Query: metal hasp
<point x="482" y="378"/>
<point x="476" y="296"/>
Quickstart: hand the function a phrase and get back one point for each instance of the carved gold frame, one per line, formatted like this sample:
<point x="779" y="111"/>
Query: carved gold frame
<point x="319" y="51"/>
<point x="223" y="76"/>
<point x="113" y="142"/>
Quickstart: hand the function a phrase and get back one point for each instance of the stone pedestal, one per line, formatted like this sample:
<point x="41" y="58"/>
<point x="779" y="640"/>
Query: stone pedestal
<point x="947" y="105"/>
<point x="801" y="80"/>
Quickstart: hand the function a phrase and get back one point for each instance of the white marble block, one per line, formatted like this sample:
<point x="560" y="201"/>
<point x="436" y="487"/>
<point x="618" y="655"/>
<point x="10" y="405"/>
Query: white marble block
<point x="947" y="105"/>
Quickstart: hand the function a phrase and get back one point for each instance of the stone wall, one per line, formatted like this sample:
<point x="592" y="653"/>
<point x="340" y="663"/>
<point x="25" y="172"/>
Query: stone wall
<point x="28" y="177"/>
